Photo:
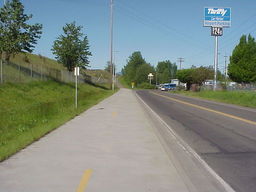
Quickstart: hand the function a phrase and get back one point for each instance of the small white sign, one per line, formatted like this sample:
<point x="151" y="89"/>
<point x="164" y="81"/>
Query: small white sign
<point x="76" y="72"/>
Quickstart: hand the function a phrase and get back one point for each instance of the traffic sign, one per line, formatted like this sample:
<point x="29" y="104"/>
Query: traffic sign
<point x="216" y="31"/>
<point x="217" y="17"/>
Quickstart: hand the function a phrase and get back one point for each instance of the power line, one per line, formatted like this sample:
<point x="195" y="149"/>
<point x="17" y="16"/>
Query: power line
<point x="159" y="25"/>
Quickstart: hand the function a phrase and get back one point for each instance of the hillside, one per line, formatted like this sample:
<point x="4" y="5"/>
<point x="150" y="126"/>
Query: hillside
<point x="37" y="96"/>
<point x="27" y="67"/>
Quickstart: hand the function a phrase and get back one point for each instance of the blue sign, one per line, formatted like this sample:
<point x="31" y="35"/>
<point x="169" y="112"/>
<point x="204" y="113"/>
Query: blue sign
<point x="217" y="17"/>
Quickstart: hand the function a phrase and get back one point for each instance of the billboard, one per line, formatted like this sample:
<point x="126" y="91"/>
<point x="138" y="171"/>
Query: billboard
<point x="217" y="17"/>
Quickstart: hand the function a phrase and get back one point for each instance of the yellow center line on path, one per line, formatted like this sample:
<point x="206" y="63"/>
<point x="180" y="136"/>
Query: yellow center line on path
<point x="207" y="109"/>
<point x="84" y="181"/>
<point x="114" y="114"/>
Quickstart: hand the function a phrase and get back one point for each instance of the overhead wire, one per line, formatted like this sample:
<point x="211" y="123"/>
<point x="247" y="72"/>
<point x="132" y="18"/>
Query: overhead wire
<point x="164" y="28"/>
<point x="150" y="22"/>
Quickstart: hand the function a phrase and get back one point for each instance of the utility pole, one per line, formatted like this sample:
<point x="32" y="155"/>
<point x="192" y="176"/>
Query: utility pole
<point x="226" y="70"/>
<point x="115" y="64"/>
<point x="226" y="67"/>
<point x="180" y="60"/>
<point x="111" y="43"/>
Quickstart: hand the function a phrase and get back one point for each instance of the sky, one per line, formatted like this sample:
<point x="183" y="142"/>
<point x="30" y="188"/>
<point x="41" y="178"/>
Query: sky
<point x="159" y="29"/>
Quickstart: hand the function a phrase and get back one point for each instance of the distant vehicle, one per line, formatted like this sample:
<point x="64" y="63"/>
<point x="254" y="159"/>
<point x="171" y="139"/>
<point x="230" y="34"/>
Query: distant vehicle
<point x="232" y="84"/>
<point x="208" y="82"/>
<point x="168" y="87"/>
<point x="175" y="81"/>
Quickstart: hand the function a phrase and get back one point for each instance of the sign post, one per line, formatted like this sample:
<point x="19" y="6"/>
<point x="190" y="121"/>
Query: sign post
<point x="76" y="73"/>
<point x="217" y="19"/>
<point x="150" y="77"/>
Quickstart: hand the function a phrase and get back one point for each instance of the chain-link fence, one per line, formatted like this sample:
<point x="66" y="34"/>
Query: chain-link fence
<point x="231" y="87"/>
<point x="13" y="72"/>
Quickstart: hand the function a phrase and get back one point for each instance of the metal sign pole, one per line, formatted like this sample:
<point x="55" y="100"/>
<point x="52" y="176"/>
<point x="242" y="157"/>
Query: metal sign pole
<point x="215" y="63"/>
<point x="76" y="72"/>
<point x="217" y="18"/>
<point x="76" y="93"/>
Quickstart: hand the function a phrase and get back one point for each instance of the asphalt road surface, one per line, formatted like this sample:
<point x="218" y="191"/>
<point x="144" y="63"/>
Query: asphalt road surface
<point x="223" y="135"/>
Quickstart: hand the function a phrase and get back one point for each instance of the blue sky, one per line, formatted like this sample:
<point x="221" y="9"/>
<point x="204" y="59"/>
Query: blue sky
<point x="160" y="29"/>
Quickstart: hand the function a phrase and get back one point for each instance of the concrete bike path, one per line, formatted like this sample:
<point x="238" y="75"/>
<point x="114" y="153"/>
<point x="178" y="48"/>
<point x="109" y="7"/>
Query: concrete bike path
<point x="111" y="147"/>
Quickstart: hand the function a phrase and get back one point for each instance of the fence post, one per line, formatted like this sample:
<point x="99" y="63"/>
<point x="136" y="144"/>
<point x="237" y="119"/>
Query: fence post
<point x="31" y="70"/>
<point x="19" y="74"/>
<point x="1" y="68"/>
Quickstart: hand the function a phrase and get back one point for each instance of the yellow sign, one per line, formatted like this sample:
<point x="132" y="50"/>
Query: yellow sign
<point x="133" y="85"/>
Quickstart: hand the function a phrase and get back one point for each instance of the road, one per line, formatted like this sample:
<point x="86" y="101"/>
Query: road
<point x="223" y="135"/>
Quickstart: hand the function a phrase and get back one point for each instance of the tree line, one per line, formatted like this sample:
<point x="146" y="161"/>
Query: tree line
<point x="242" y="68"/>
<point x="17" y="35"/>
<point x="137" y="70"/>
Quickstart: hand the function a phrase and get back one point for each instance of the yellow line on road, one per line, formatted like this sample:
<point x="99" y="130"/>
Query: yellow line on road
<point x="207" y="109"/>
<point x="84" y="181"/>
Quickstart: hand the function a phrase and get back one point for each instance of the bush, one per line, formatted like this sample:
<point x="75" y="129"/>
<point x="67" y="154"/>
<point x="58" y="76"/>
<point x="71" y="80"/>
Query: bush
<point x="146" y="86"/>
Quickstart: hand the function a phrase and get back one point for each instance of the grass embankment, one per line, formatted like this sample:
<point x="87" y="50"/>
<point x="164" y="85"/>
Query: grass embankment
<point x="28" y="59"/>
<point x="29" y="111"/>
<point x="242" y="98"/>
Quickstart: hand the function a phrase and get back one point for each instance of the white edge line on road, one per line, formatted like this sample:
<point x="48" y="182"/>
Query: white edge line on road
<point x="186" y="147"/>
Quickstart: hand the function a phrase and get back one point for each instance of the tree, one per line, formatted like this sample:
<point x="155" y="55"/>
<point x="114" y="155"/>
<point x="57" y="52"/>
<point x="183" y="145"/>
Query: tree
<point x="242" y="67"/>
<point x="72" y="48"/>
<point x="142" y="73"/>
<point x="134" y="61"/>
<point x="194" y="75"/>
<point x="16" y="35"/>
<point x="166" y="71"/>
<point x="185" y="76"/>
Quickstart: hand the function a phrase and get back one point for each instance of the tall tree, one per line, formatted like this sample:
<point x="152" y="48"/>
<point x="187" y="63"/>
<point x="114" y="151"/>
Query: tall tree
<point x="16" y="35"/>
<point x="134" y="61"/>
<point x="166" y="71"/>
<point x="142" y="73"/>
<point x="72" y="48"/>
<point x="242" y="67"/>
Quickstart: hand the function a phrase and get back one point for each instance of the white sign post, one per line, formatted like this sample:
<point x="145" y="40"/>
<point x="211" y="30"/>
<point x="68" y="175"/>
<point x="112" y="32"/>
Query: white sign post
<point x="216" y="18"/>
<point x="76" y="73"/>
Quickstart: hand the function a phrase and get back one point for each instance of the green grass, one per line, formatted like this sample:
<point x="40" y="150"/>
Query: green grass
<point x="242" y="98"/>
<point x="29" y="111"/>
<point x="26" y="60"/>
<point x="99" y="73"/>
<point x="50" y="67"/>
